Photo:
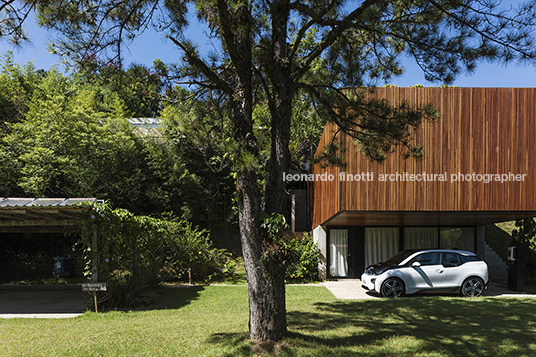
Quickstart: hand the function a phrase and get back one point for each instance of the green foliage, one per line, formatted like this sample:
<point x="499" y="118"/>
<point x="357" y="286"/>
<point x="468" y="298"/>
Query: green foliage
<point x="275" y="226"/>
<point x="139" y="87"/>
<point x="17" y="87"/>
<point x="201" y="161"/>
<point x="17" y="84"/>
<point x="305" y="267"/>
<point x="123" y="289"/>
<point x="525" y="235"/>
<point x="65" y="136"/>
<point x="137" y="252"/>
<point x="277" y="253"/>
<point x="186" y="248"/>
<point x="73" y="144"/>
<point x="298" y="256"/>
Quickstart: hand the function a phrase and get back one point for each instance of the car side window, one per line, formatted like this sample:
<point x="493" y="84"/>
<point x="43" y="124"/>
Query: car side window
<point x="451" y="260"/>
<point x="427" y="259"/>
<point x="469" y="258"/>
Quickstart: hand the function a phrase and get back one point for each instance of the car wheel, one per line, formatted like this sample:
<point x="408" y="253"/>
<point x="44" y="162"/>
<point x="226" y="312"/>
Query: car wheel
<point x="392" y="288"/>
<point x="472" y="287"/>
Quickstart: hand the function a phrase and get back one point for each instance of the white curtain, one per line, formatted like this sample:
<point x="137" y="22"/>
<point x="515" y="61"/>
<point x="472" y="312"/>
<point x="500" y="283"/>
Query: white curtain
<point x="420" y="238"/>
<point x="338" y="240"/>
<point x="380" y="244"/>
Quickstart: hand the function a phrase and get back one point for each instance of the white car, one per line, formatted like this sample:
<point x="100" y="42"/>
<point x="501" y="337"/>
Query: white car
<point x="414" y="270"/>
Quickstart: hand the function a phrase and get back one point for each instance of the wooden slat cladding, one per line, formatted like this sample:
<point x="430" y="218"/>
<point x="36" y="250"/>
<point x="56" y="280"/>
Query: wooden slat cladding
<point x="325" y="200"/>
<point x="481" y="131"/>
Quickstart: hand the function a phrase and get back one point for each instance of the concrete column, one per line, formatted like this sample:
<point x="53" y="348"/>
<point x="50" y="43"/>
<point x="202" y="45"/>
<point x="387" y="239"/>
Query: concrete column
<point x="320" y="238"/>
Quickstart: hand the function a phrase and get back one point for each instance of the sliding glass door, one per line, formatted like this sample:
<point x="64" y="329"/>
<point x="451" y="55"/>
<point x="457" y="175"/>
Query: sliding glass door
<point x="338" y="253"/>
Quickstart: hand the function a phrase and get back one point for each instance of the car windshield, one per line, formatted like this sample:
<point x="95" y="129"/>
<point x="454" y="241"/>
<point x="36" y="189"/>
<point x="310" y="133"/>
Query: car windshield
<point x="397" y="259"/>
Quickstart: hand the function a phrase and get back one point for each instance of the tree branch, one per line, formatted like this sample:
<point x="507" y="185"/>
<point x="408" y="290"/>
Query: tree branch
<point x="315" y="19"/>
<point x="198" y="63"/>
<point x="483" y="34"/>
<point x="333" y="35"/>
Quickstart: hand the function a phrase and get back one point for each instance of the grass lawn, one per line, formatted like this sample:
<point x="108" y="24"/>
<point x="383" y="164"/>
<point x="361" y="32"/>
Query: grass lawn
<point x="212" y="321"/>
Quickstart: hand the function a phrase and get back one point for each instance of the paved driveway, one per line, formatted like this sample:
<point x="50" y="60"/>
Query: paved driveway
<point x="42" y="301"/>
<point x="351" y="289"/>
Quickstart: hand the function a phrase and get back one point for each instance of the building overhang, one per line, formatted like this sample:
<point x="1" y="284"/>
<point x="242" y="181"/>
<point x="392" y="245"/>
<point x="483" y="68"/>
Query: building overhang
<point x="424" y="218"/>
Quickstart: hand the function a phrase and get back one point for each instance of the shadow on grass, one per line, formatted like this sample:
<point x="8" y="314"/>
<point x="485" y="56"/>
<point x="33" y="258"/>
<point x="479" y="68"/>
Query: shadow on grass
<point x="236" y="344"/>
<point x="174" y="297"/>
<point x="428" y="326"/>
<point x="448" y="326"/>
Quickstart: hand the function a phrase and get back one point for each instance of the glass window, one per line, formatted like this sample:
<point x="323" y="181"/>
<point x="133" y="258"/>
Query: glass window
<point x="469" y="258"/>
<point x="451" y="260"/>
<point x="338" y="252"/>
<point x="420" y="237"/>
<point x="380" y="244"/>
<point x="462" y="238"/>
<point x="427" y="259"/>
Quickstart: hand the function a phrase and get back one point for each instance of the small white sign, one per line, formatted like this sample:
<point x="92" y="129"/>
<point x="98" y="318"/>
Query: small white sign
<point x="94" y="287"/>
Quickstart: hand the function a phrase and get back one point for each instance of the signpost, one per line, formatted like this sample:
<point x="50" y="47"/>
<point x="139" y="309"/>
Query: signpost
<point x="94" y="287"/>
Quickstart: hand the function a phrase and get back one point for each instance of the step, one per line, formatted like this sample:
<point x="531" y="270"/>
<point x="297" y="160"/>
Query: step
<point x="498" y="270"/>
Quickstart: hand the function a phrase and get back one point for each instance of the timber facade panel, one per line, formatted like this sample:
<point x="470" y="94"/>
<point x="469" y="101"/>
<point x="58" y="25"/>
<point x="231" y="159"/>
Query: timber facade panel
<point x="480" y="130"/>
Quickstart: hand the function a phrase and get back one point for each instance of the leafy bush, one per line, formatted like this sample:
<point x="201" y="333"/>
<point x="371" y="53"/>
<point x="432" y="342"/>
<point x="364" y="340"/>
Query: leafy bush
<point x="125" y="290"/>
<point x="130" y="246"/>
<point x="305" y="266"/>
<point x="185" y="247"/>
<point x="299" y="256"/>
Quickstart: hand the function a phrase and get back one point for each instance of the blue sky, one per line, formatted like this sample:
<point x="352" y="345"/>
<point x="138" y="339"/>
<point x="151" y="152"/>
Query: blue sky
<point x="150" y="46"/>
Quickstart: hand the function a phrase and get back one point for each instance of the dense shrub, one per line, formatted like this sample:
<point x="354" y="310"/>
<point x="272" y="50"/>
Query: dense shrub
<point x="298" y="255"/>
<point x="185" y="249"/>
<point x="127" y="290"/>
<point x="138" y="252"/>
<point x="305" y="265"/>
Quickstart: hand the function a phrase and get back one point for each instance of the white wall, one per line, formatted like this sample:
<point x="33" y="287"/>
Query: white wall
<point x="320" y="238"/>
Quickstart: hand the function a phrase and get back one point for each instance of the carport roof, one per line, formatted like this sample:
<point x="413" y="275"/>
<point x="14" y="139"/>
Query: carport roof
<point x="42" y="215"/>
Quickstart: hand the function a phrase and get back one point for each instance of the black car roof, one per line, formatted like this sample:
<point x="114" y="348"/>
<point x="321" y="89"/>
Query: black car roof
<point x="462" y="252"/>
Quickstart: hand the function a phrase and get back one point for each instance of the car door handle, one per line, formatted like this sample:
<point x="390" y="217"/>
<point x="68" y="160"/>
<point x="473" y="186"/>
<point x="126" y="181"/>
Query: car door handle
<point x="439" y="270"/>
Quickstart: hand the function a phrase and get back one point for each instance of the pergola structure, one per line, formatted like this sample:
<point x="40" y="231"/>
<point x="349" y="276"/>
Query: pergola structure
<point x="47" y="215"/>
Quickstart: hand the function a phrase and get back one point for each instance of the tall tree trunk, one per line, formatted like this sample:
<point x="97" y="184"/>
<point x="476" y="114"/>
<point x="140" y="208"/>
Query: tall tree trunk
<point x="275" y="197"/>
<point x="266" y="286"/>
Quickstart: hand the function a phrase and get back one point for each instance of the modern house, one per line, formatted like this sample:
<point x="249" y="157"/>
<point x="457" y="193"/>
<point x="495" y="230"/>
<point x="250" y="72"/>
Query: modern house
<point x="477" y="169"/>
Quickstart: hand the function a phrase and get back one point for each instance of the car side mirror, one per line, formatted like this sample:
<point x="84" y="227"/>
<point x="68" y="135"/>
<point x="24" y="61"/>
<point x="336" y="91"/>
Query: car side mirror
<point x="416" y="264"/>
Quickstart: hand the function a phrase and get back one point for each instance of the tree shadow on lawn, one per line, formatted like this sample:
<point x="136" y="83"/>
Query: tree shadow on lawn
<point x="174" y="297"/>
<point x="406" y="327"/>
